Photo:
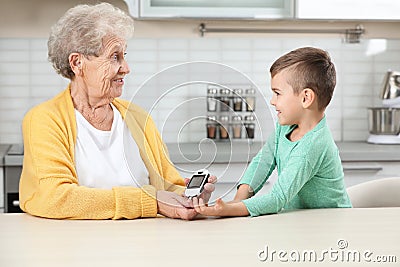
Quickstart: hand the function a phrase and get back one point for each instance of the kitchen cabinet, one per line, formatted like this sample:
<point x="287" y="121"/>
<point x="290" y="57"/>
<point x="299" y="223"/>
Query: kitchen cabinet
<point x="12" y="164"/>
<point x="348" y="10"/>
<point x="383" y="10"/>
<point x="1" y="188"/>
<point x="221" y="9"/>
<point x="364" y="162"/>
<point x="361" y="161"/>
<point x="3" y="150"/>
<point x="11" y="188"/>
<point x="356" y="172"/>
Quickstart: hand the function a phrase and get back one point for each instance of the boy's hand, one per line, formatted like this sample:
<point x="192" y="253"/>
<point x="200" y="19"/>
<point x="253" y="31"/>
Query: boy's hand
<point x="216" y="210"/>
<point x="220" y="208"/>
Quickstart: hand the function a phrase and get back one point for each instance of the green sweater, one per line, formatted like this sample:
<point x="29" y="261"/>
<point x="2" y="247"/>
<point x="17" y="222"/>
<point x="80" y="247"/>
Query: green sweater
<point x="310" y="173"/>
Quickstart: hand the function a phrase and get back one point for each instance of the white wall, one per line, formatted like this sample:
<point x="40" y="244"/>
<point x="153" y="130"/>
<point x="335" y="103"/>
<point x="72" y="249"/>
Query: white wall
<point x="26" y="78"/>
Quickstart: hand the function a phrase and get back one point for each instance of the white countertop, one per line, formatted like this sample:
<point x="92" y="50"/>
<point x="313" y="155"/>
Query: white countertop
<point x="217" y="152"/>
<point x="243" y="152"/>
<point x="224" y="152"/>
<point x="29" y="241"/>
<point x="363" y="151"/>
<point x="3" y="150"/>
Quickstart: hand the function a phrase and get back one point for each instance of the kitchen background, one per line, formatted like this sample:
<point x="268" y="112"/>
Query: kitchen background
<point x="26" y="78"/>
<point x="244" y="59"/>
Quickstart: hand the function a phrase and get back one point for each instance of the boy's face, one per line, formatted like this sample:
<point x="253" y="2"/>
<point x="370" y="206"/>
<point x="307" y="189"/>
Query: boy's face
<point x="286" y="102"/>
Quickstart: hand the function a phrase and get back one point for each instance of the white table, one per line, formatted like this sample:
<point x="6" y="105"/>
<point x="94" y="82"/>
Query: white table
<point x="29" y="241"/>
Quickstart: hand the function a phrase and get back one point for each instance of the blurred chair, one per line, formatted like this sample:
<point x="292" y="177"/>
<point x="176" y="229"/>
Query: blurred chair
<point x="377" y="193"/>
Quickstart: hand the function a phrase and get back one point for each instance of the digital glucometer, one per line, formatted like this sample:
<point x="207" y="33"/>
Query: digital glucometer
<point x="196" y="183"/>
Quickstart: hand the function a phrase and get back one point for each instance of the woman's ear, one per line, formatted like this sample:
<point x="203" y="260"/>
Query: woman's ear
<point x="309" y="97"/>
<point x="76" y="63"/>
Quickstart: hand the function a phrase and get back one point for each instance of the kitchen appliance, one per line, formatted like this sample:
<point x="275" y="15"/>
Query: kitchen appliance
<point x="390" y="93"/>
<point x="12" y="172"/>
<point x="384" y="122"/>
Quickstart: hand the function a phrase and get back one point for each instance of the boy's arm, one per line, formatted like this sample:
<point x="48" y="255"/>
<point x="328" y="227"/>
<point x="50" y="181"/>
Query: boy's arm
<point x="221" y="208"/>
<point x="244" y="192"/>
<point x="289" y="183"/>
<point x="260" y="167"/>
<point x="252" y="181"/>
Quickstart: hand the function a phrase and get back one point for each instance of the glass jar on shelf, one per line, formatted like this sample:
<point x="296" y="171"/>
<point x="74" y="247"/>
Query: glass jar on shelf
<point x="212" y="127"/>
<point x="237" y="127"/>
<point x="237" y="100"/>
<point x="212" y="99"/>
<point x="224" y="127"/>
<point x="250" y="99"/>
<point x="249" y="124"/>
<point x="225" y="101"/>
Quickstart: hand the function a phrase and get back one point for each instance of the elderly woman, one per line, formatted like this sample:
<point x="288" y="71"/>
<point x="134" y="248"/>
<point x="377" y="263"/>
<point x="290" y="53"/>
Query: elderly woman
<point x="88" y="154"/>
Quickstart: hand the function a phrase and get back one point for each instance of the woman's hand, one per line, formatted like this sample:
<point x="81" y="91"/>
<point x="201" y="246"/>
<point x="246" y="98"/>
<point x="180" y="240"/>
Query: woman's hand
<point x="174" y="206"/>
<point x="220" y="208"/>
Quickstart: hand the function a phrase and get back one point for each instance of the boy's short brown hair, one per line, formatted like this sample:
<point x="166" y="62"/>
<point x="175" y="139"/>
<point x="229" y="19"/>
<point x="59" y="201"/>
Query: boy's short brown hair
<point x="309" y="67"/>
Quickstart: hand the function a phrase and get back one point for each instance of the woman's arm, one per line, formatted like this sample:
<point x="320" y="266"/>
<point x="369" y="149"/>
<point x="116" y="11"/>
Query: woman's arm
<point x="49" y="185"/>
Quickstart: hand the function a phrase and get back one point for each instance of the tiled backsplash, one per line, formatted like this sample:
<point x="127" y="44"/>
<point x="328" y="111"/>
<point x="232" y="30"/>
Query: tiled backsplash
<point x="27" y="78"/>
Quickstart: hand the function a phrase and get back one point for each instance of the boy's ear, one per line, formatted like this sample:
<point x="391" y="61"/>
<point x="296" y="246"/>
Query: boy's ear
<point x="308" y="97"/>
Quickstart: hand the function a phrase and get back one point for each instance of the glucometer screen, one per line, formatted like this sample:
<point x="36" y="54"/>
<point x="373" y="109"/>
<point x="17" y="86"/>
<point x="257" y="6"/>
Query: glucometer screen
<point x="195" y="181"/>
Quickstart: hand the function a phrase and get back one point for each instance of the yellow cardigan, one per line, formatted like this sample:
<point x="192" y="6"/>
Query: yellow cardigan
<point x="49" y="184"/>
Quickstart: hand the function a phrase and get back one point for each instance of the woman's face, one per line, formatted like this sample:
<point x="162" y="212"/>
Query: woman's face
<point x="104" y="75"/>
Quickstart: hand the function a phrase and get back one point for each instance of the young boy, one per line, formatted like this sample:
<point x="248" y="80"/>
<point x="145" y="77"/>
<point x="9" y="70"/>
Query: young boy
<point x="310" y="173"/>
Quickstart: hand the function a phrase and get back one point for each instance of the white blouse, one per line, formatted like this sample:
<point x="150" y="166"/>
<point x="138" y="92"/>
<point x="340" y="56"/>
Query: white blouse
<point x="106" y="159"/>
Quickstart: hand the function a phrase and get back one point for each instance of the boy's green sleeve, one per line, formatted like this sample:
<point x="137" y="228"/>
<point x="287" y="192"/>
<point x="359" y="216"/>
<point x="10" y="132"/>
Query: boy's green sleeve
<point x="285" y="189"/>
<point x="261" y="166"/>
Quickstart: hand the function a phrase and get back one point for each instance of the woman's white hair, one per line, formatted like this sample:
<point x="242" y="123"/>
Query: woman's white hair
<point x="82" y="29"/>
